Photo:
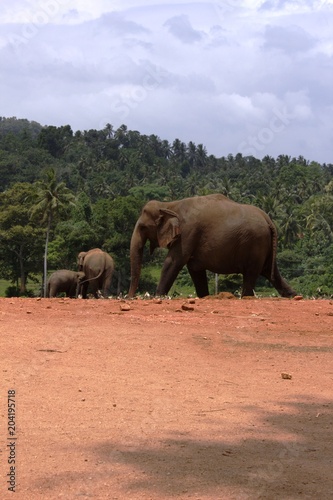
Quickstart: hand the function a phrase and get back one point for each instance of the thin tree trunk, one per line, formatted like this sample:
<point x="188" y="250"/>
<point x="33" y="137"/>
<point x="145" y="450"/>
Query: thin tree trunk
<point x="45" y="253"/>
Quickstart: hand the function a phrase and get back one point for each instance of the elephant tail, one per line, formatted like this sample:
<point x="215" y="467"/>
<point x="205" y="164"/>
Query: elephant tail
<point x="94" y="278"/>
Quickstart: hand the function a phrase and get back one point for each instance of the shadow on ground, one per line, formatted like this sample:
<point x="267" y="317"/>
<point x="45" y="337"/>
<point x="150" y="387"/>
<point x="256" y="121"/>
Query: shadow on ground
<point x="299" y="465"/>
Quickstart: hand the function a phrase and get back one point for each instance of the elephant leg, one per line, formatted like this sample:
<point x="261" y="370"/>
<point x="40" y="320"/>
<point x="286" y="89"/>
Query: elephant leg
<point x="249" y="282"/>
<point x="106" y="285"/>
<point x="78" y="290"/>
<point x="94" y="288"/>
<point x="199" y="279"/>
<point x="71" y="290"/>
<point x="55" y="288"/>
<point x="84" y="290"/>
<point x="170" y="271"/>
<point x="101" y="292"/>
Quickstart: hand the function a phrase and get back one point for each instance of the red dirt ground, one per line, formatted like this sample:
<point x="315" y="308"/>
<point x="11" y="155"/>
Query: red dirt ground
<point x="168" y="399"/>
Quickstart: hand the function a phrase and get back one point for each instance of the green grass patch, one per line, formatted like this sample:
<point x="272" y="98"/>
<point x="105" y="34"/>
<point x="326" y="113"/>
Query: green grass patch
<point x="32" y="287"/>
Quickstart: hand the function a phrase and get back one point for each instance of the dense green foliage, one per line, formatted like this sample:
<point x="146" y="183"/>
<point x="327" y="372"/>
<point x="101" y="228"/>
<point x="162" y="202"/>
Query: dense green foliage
<point x="112" y="173"/>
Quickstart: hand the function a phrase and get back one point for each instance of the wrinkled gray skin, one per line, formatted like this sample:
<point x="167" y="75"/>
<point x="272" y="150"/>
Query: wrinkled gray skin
<point x="208" y="233"/>
<point x="98" y="267"/>
<point x="64" y="280"/>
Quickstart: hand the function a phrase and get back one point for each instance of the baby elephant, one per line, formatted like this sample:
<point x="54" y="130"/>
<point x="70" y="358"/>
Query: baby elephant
<point x="64" y="281"/>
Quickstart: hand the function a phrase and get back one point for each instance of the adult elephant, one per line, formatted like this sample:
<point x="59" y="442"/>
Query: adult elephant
<point x="65" y="281"/>
<point x="98" y="267"/>
<point x="208" y="233"/>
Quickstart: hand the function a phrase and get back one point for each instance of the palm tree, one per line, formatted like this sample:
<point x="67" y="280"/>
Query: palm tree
<point x="121" y="135"/>
<point x="52" y="199"/>
<point x="191" y="153"/>
<point x="179" y="151"/>
<point x="165" y="149"/>
<point x="109" y="131"/>
<point x="201" y="156"/>
<point x="269" y="204"/>
<point x="290" y="227"/>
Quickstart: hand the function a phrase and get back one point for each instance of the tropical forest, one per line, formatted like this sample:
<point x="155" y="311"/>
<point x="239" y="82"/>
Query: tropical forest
<point x="65" y="191"/>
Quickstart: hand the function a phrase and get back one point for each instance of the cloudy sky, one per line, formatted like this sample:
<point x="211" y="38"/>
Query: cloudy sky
<point x="248" y="76"/>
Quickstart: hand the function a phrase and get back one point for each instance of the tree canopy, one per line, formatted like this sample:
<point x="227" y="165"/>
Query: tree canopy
<point x="111" y="173"/>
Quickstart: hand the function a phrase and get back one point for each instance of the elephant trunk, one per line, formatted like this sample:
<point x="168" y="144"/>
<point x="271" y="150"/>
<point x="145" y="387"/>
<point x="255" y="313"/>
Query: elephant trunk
<point x="136" y="250"/>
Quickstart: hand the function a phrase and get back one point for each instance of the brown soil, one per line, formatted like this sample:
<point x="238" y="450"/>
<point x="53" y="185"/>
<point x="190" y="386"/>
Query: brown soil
<point x="148" y="399"/>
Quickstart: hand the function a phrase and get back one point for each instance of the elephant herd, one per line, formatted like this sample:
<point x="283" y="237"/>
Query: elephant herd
<point x="95" y="269"/>
<point x="205" y="233"/>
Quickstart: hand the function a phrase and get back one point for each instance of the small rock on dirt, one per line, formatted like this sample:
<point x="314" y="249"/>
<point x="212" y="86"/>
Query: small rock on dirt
<point x="187" y="307"/>
<point x="125" y="307"/>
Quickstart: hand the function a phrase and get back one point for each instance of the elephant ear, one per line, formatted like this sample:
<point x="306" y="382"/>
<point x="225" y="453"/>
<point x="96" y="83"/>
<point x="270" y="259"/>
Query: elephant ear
<point x="168" y="229"/>
<point x="80" y="258"/>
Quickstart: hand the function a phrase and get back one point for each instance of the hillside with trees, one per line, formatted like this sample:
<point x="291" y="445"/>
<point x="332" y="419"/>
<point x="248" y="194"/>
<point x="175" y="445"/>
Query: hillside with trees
<point x="63" y="191"/>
